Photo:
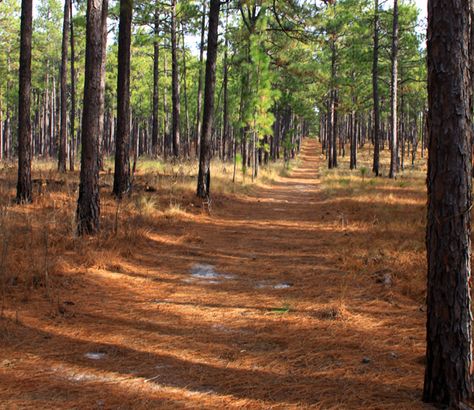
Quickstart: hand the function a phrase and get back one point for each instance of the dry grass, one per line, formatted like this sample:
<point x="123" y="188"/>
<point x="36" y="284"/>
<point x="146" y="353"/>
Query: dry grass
<point x="390" y="212"/>
<point x="315" y="303"/>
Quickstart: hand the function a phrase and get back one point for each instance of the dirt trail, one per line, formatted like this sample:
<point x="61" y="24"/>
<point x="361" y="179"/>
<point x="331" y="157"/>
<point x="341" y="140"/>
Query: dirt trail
<point x="276" y="322"/>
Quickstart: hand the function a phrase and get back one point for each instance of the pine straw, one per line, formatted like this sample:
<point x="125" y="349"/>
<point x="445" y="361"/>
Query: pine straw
<point x="336" y="337"/>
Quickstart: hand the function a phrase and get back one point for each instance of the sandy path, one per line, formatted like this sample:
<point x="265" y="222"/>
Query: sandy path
<point x="277" y="323"/>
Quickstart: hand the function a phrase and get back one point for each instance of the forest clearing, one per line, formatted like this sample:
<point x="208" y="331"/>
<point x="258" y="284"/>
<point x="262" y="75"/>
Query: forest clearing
<point x="298" y="310"/>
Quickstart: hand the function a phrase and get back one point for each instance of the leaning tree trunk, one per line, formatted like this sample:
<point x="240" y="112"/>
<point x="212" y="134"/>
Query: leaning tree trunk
<point x="122" y="143"/>
<point x="88" y="205"/>
<point x="24" y="188"/>
<point x="175" y="82"/>
<point x="448" y="351"/>
<point x="393" y="95"/>
<point x="204" y="176"/>
<point x="375" y="91"/>
<point x="63" y="121"/>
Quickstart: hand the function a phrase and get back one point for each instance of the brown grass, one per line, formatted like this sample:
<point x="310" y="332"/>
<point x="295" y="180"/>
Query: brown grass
<point x="302" y="314"/>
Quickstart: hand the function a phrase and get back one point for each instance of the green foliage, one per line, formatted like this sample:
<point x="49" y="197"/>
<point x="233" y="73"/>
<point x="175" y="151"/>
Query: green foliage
<point x="279" y="60"/>
<point x="9" y="54"/>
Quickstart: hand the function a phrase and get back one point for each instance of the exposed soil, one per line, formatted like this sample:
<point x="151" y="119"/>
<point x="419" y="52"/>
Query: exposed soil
<point x="301" y="306"/>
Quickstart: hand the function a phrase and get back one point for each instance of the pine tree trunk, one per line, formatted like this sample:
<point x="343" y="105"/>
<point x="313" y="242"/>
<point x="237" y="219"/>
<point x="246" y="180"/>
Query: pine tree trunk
<point x="72" y="153"/>
<point x="63" y="127"/>
<point x="166" y="136"/>
<point x="375" y="91"/>
<point x="100" y="137"/>
<point x="185" y="95"/>
<point x="88" y="205"/>
<point x="225" y="114"/>
<point x="176" y="108"/>
<point x="122" y="143"/>
<point x="332" y="161"/>
<point x="393" y="95"/>
<point x="24" y="187"/>
<point x="204" y="176"/>
<point x="1" y="131"/>
<point x="200" y="80"/>
<point x="6" y="134"/>
<point x="156" y="80"/>
<point x="449" y="338"/>
<point x="353" y="139"/>
<point x="57" y="115"/>
<point x="471" y="61"/>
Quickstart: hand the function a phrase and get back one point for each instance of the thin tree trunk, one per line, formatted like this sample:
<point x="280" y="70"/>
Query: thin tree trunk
<point x="375" y="91"/>
<point x="393" y="95"/>
<point x="175" y="83"/>
<point x="353" y="139"/>
<point x="63" y="127"/>
<point x="200" y="78"/>
<point x="166" y="136"/>
<point x="57" y="115"/>
<point x="471" y="63"/>
<point x="1" y="131"/>
<point x="122" y="143"/>
<point x="72" y="153"/>
<point x="204" y="177"/>
<point x="52" y="120"/>
<point x="185" y="95"/>
<point x="24" y="187"/>
<point x="332" y="161"/>
<point x="100" y="137"/>
<point x="448" y="237"/>
<point x="88" y="205"/>
<point x="156" y="80"/>
<point x="225" y="115"/>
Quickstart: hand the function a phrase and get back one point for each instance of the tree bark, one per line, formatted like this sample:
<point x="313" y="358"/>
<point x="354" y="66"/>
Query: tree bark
<point x="199" y="92"/>
<point x="225" y="113"/>
<point x="1" y="131"/>
<point x="57" y="115"/>
<point x="100" y="137"/>
<point x="185" y="95"/>
<point x="63" y="121"/>
<point x="375" y="91"/>
<point x="166" y="134"/>
<point x="332" y="161"/>
<point x="204" y="176"/>
<point x="72" y="152"/>
<point x="122" y="143"/>
<point x="156" y="80"/>
<point x="175" y="82"/>
<point x="393" y="95"/>
<point x="353" y="139"/>
<point x="24" y="187"/>
<point x="448" y="351"/>
<point x="88" y="205"/>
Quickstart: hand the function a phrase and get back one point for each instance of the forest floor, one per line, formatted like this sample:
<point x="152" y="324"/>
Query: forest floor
<point x="304" y="291"/>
